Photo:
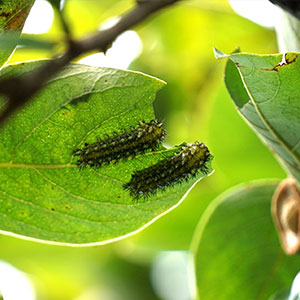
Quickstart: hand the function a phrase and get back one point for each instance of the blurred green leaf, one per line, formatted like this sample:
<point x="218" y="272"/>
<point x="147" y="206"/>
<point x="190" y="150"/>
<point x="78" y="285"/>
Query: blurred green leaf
<point x="10" y="40"/>
<point x="281" y="296"/>
<point x="43" y="194"/>
<point x="266" y="92"/>
<point x="56" y="3"/>
<point x="237" y="252"/>
<point x="12" y="19"/>
<point x="293" y="294"/>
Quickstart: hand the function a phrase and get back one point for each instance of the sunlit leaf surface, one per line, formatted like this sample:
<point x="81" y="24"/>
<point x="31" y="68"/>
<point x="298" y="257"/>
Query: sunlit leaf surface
<point x="43" y="194"/>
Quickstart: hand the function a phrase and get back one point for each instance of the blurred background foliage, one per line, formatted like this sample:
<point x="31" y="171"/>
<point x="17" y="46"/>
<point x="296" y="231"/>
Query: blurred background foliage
<point x="176" y="47"/>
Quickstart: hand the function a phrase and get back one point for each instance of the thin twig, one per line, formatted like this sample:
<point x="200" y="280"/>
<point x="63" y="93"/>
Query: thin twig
<point x="19" y="90"/>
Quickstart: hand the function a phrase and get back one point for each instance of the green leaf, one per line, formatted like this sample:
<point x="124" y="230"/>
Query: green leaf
<point x="12" y="19"/>
<point x="267" y="94"/>
<point x="293" y="294"/>
<point x="56" y="3"/>
<point x="10" y="40"/>
<point x="281" y="296"/>
<point x="237" y="251"/>
<point x="43" y="194"/>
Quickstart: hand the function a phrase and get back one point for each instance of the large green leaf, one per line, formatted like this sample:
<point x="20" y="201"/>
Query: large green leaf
<point x="12" y="19"/>
<point x="267" y="93"/>
<point x="43" y="194"/>
<point x="237" y="252"/>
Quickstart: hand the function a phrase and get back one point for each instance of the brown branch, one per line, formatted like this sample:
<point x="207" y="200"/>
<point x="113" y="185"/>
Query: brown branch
<point x="19" y="90"/>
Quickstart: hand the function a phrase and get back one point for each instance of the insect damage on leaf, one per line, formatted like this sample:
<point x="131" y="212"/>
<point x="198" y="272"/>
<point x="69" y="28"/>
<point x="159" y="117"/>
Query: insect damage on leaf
<point x="122" y="146"/>
<point x="173" y="170"/>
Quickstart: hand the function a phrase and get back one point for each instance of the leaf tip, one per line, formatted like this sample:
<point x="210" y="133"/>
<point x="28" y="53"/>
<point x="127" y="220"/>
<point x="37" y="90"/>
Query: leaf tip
<point x="219" y="54"/>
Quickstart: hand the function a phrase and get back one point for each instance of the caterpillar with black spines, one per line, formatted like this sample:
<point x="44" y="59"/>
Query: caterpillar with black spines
<point x="122" y="146"/>
<point x="173" y="170"/>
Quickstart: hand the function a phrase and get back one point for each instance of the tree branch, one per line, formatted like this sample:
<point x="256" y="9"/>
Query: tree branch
<point x="19" y="90"/>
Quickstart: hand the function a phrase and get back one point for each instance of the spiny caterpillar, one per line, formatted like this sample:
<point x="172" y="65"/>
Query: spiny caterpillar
<point x="170" y="171"/>
<point x="128" y="144"/>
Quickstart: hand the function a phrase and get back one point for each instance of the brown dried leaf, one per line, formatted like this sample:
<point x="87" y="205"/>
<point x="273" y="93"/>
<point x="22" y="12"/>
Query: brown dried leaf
<point x="286" y="215"/>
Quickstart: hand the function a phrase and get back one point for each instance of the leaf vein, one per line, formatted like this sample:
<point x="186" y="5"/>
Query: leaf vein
<point x="39" y="207"/>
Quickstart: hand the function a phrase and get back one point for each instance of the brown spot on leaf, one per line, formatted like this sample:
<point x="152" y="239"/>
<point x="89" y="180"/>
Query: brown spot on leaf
<point x="18" y="20"/>
<point x="287" y="60"/>
<point x="270" y="69"/>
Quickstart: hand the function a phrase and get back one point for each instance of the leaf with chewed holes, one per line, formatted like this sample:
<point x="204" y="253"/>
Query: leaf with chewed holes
<point x="43" y="193"/>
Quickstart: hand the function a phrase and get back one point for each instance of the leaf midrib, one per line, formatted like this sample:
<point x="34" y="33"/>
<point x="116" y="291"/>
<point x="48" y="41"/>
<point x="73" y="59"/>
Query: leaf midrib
<point x="281" y="141"/>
